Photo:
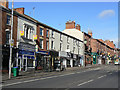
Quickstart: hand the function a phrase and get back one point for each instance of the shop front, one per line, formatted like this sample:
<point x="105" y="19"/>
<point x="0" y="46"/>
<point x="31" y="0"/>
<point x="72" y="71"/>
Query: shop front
<point x="26" y="57"/>
<point x="54" y="59"/>
<point x="42" y="60"/>
<point x="94" y="58"/>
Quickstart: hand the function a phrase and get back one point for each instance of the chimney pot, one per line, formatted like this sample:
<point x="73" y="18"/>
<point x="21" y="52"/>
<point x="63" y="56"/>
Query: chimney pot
<point x="20" y="10"/>
<point x="4" y="3"/>
<point x="70" y="24"/>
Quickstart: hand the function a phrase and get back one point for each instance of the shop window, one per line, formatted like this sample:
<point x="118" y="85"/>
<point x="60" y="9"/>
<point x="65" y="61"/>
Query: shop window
<point x="29" y="63"/>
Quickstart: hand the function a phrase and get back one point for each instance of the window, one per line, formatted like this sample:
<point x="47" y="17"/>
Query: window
<point x="67" y="39"/>
<point x="60" y="36"/>
<point x="52" y="45"/>
<point x="60" y="46"/>
<point x="73" y="42"/>
<point x="41" y="31"/>
<point x="47" y="45"/>
<point x="29" y="63"/>
<point x="41" y="43"/>
<point x="67" y="46"/>
<point x="28" y="31"/>
<point x="8" y="19"/>
<point x="47" y="33"/>
<point x="7" y="37"/>
<point x="52" y="33"/>
<point x="73" y="49"/>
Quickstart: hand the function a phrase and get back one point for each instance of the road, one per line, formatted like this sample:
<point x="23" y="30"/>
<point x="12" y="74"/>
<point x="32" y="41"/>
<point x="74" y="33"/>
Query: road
<point x="105" y="76"/>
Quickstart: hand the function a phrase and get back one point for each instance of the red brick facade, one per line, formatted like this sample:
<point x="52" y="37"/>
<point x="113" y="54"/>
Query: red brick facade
<point x="5" y="26"/>
<point x="45" y="39"/>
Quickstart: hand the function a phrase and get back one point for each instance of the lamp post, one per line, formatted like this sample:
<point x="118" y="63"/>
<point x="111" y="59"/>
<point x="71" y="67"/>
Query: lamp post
<point x="85" y="42"/>
<point x="10" y="59"/>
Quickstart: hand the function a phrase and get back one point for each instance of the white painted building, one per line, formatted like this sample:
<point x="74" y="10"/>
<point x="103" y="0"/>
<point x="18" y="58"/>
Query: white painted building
<point x="69" y="47"/>
<point x="26" y="43"/>
<point x="78" y="34"/>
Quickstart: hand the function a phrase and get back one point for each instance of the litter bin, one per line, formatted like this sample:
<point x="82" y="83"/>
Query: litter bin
<point x="15" y="71"/>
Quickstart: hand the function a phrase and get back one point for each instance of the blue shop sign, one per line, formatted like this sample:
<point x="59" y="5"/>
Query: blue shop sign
<point x="43" y="52"/>
<point x="26" y="52"/>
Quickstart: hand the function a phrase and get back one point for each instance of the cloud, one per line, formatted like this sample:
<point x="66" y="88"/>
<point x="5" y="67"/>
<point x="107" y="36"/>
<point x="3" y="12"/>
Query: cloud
<point x="106" y="13"/>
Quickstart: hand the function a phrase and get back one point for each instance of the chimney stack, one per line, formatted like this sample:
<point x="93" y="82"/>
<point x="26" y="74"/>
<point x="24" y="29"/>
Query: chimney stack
<point x="90" y="33"/>
<point x="70" y="24"/>
<point x="19" y="10"/>
<point x="4" y="3"/>
<point x="78" y="27"/>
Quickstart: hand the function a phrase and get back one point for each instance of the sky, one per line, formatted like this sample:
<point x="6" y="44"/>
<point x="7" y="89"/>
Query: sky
<point x="99" y="17"/>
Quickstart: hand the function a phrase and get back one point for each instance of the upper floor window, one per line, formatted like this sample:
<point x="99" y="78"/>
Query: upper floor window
<point x="67" y="39"/>
<point x="52" y="33"/>
<point x="67" y="46"/>
<point x="41" y="31"/>
<point x="60" y="36"/>
<point x="7" y="37"/>
<point x="41" y="43"/>
<point x="60" y="46"/>
<point x="47" y="45"/>
<point x="8" y="19"/>
<point x="28" y="31"/>
<point x="52" y="45"/>
<point x="73" y="49"/>
<point x="47" y="33"/>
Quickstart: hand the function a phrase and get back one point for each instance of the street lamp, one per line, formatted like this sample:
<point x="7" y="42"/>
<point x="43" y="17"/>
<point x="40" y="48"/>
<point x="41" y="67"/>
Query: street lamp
<point x="10" y="59"/>
<point x="85" y="42"/>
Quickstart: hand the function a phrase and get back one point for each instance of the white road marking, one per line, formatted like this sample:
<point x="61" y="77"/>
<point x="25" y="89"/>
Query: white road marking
<point x="78" y="72"/>
<point x="110" y="73"/>
<point x="85" y="82"/>
<point x="102" y="76"/>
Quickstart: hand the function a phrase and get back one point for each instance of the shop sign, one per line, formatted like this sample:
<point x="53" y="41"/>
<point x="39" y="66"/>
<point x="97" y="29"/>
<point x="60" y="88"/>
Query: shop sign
<point x="21" y="33"/>
<point x="12" y="42"/>
<point x="28" y="47"/>
<point x="35" y="37"/>
<point x="62" y="54"/>
<point x="74" y="56"/>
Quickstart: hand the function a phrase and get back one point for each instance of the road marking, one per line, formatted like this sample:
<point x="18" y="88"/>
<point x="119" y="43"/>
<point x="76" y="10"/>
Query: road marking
<point x="110" y="73"/>
<point x="85" y="82"/>
<point x="102" y="76"/>
<point x="78" y="72"/>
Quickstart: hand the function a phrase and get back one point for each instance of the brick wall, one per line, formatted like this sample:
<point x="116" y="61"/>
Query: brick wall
<point x="5" y="26"/>
<point x="94" y="45"/>
<point x="44" y="38"/>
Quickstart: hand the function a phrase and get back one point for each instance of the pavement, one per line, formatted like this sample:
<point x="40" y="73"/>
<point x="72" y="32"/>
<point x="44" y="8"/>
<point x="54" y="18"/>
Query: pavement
<point x="101" y="76"/>
<point x="41" y="73"/>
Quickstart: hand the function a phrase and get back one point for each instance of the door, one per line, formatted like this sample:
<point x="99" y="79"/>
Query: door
<point x="25" y="64"/>
<point x="19" y="63"/>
